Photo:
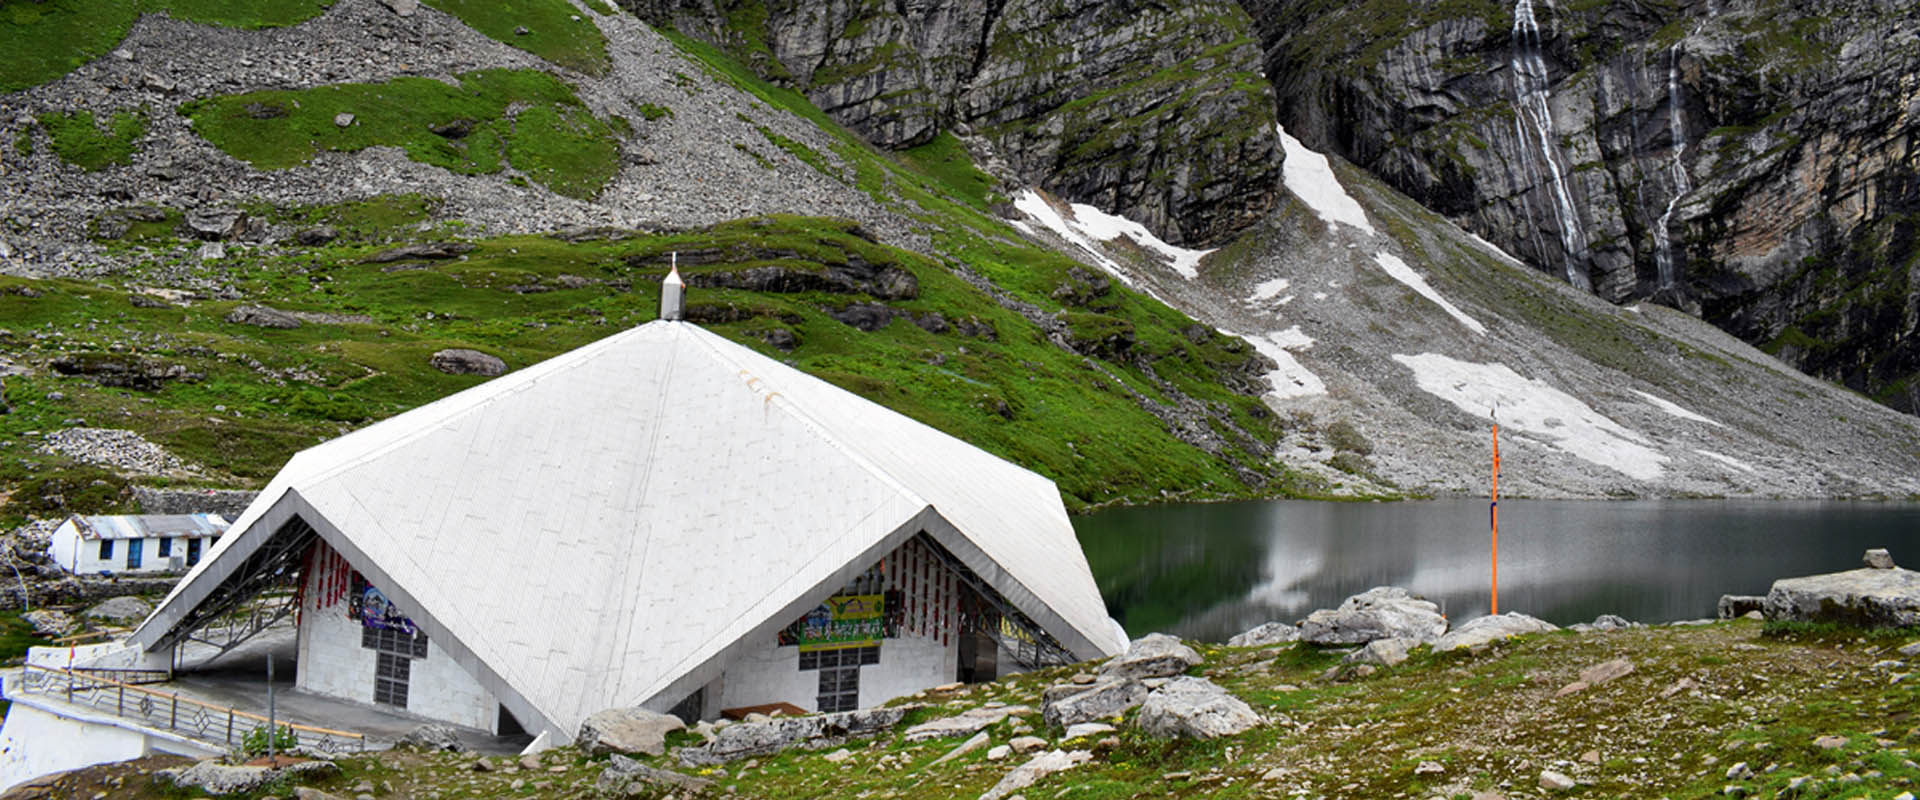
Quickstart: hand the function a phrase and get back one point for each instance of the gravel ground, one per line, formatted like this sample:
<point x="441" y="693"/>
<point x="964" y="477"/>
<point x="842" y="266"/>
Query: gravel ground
<point x="108" y="447"/>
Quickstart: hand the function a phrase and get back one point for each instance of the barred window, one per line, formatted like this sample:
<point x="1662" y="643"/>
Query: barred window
<point x="390" y="679"/>
<point x="399" y="643"/>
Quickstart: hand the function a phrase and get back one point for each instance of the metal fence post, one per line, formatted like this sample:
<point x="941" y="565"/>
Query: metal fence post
<point x="229" y="726"/>
<point x="120" y="702"/>
<point x="173" y="716"/>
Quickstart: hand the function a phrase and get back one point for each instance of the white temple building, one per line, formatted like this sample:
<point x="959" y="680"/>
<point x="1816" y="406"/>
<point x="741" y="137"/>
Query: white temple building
<point x="662" y="518"/>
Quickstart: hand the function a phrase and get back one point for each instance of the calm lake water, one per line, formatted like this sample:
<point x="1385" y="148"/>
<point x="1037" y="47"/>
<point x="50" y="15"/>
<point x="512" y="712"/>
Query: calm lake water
<point x="1208" y="571"/>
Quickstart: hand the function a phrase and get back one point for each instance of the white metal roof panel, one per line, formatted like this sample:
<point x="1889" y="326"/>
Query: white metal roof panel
<point x="595" y="528"/>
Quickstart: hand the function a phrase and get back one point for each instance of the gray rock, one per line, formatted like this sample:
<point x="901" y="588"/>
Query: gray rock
<point x="1481" y="631"/>
<point x="1269" y="633"/>
<point x="1031" y="772"/>
<point x="217" y="779"/>
<point x="1382" y="652"/>
<point x="433" y="736"/>
<point x="426" y="250"/>
<point x="1597" y="674"/>
<point x="1105" y="698"/>
<point x="50" y="622"/>
<point x="623" y="773"/>
<point x="211" y="251"/>
<point x="1878" y="558"/>
<point x="461" y="361"/>
<point x="1868" y="597"/>
<point x="1734" y="606"/>
<point x="779" y="733"/>
<point x="404" y="8"/>
<point x="1194" y="708"/>
<point x="343" y="119"/>
<point x="965" y="722"/>
<point x="1155" y="655"/>
<point x="1554" y="781"/>
<point x="974" y="742"/>
<point x="627" y="730"/>
<point x="316" y="235"/>
<point x="1910" y="649"/>
<point x="262" y="317"/>
<point x="120" y="609"/>
<point x="1610" y="622"/>
<point x="214" y="224"/>
<point x="1384" y="612"/>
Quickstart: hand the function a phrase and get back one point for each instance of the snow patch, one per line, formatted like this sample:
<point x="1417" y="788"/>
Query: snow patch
<point x="1495" y="249"/>
<point x="1405" y="274"/>
<point x="1310" y="178"/>
<point x="1726" y="459"/>
<point x="1319" y="295"/>
<point x="1674" y="409"/>
<point x="1267" y="290"/>
<point x="1632" y="309"/>
<point x="1535" y="408"/>
<point x="1292" y="379"/>
<point x="1088" y="225"/>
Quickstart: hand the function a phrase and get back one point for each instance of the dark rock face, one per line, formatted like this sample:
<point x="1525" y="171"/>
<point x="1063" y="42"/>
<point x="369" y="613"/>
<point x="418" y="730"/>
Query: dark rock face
<point x="1786" y="129"/>
<point x="127" y="372"/>
<point x="1155" y="112"/>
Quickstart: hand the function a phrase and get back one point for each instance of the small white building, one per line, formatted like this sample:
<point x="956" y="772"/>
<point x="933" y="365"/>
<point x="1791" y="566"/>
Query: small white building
<point x="663" y="518"/>
<point x="130" y="543"/>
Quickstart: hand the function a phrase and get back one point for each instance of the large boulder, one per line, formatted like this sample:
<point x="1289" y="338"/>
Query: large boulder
<point x="1194" y="708"/>
<point x="1734" y="606"/>
<point x="779" y="733"/>
<point x="462" y="361"/>
<point x="1155" y="655"/>
<point x="966" y="722"/>
<point x="263" y="317"/>
<point x="1267" y="634"/>
<point x="1384" y="612"/>
<point x="1867" y="596"/>
<point x="1039" y="767"/>
<point x="433" y="736"/>
<point x="120" y="609"/>
<point x="1108" y="697"/>
<point x="215" y="778"/>
<point x="625" y="777"/>
<point x="49" y="622"/>
<point x="1481" y="631"/>
<point x="627" y="730"/>
<point x="1382" y="652"/>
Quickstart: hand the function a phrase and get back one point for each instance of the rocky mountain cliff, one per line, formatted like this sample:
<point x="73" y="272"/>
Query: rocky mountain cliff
<point x="1751" y="161"/>
<point x="1155" y="112"/>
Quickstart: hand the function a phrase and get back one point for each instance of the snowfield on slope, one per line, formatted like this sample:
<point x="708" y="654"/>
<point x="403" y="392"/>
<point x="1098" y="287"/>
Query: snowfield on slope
<point x="1292" y="379"/>
<point x="1310" y="177"/>
<point x="1536" y="409"/>
<point x="1088" y="224"/>
<point x="1405" y="274"/>
<point x="1674" y="409"/>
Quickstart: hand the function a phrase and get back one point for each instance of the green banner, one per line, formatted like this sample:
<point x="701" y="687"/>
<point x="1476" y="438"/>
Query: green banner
<point x="848" y="620"/>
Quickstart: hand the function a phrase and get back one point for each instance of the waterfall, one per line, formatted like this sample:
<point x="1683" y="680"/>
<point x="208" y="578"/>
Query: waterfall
<point x="1662" y="242"/>
<point x="1533" y="122"/>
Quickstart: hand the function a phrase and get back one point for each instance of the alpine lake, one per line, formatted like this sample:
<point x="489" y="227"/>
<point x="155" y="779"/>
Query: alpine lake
<point x="1209" y="571"/>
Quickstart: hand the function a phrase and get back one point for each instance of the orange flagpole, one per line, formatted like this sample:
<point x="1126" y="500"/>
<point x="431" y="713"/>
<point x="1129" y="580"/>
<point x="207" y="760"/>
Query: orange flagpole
<point x="1494" y="512"/>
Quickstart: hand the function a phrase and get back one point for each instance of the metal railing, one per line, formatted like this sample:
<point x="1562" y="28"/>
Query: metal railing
<point x="126" y="675"/>
<point x="205" y="722"/>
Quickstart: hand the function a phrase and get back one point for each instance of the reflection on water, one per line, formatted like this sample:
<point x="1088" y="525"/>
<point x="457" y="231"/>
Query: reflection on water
<point x="1208" y="571"/>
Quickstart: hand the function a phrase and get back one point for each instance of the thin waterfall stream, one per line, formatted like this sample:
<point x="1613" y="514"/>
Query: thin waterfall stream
<point x="1534" y="124"/>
